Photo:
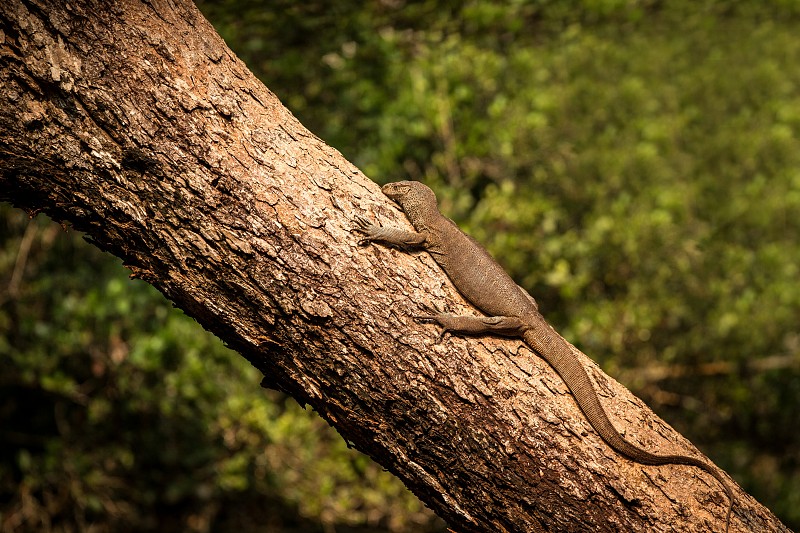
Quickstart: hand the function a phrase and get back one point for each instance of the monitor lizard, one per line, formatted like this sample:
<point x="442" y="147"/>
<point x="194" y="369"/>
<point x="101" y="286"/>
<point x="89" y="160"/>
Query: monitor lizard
<point x="511" y="310"/>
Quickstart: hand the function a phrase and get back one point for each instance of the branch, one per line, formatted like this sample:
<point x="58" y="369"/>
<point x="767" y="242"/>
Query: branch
<point x="135" y="123"/>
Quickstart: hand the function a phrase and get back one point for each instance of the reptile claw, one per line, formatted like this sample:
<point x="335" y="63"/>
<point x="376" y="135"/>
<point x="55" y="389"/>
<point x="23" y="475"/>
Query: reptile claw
<point x="363" y="222"/>
<point x="365" y="226"/>
<point x="435" y="319"/>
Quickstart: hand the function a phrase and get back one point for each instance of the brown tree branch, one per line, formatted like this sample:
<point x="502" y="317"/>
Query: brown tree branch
<point x="134" y="122"/>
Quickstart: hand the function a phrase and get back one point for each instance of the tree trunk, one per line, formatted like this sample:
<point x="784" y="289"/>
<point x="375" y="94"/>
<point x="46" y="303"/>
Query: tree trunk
<point x="136" y="124"/>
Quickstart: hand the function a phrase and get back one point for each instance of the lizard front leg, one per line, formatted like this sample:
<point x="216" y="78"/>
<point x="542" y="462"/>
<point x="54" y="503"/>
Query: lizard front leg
<point x="395" y="236"/>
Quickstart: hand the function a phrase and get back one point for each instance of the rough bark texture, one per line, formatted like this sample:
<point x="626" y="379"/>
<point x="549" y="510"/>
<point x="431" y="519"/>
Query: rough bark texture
<point x="134" y="122"/>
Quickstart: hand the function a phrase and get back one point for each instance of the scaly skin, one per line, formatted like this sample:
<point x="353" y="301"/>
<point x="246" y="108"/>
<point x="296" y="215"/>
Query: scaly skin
<point x="511" y="311"/>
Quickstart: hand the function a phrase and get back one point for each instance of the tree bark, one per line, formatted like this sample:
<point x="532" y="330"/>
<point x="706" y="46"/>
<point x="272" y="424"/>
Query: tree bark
<point x="133" y="121"/>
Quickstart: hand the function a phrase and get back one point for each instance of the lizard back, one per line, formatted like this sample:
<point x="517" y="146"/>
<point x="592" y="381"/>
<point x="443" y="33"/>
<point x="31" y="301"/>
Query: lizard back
<point x="475" y="273"/>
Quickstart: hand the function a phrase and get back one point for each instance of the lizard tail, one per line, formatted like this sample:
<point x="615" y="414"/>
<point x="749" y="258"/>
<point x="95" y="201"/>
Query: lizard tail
<point x="556" y="351"/>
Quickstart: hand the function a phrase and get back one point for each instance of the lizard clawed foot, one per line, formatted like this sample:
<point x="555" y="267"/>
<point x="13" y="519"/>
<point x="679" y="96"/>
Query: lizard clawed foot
<point x="432" y="315"/>
<point x="363" y="223"/>
<point x="367" y="228"/>
<point x="436" y="319"/>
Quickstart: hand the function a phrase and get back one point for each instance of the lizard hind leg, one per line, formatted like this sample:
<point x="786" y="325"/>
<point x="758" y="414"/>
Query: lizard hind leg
<point x="509" y="326"/>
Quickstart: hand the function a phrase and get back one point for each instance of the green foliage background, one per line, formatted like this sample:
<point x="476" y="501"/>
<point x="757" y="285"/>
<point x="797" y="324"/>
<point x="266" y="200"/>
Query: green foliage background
<point x="634" y="163"/>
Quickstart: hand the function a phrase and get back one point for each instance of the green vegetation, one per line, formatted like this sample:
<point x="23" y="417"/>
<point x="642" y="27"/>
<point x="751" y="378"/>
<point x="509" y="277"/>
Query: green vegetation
<point x="634" y="163"/>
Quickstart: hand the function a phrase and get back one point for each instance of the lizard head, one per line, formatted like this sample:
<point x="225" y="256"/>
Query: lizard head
<point x="410" y="195"/>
